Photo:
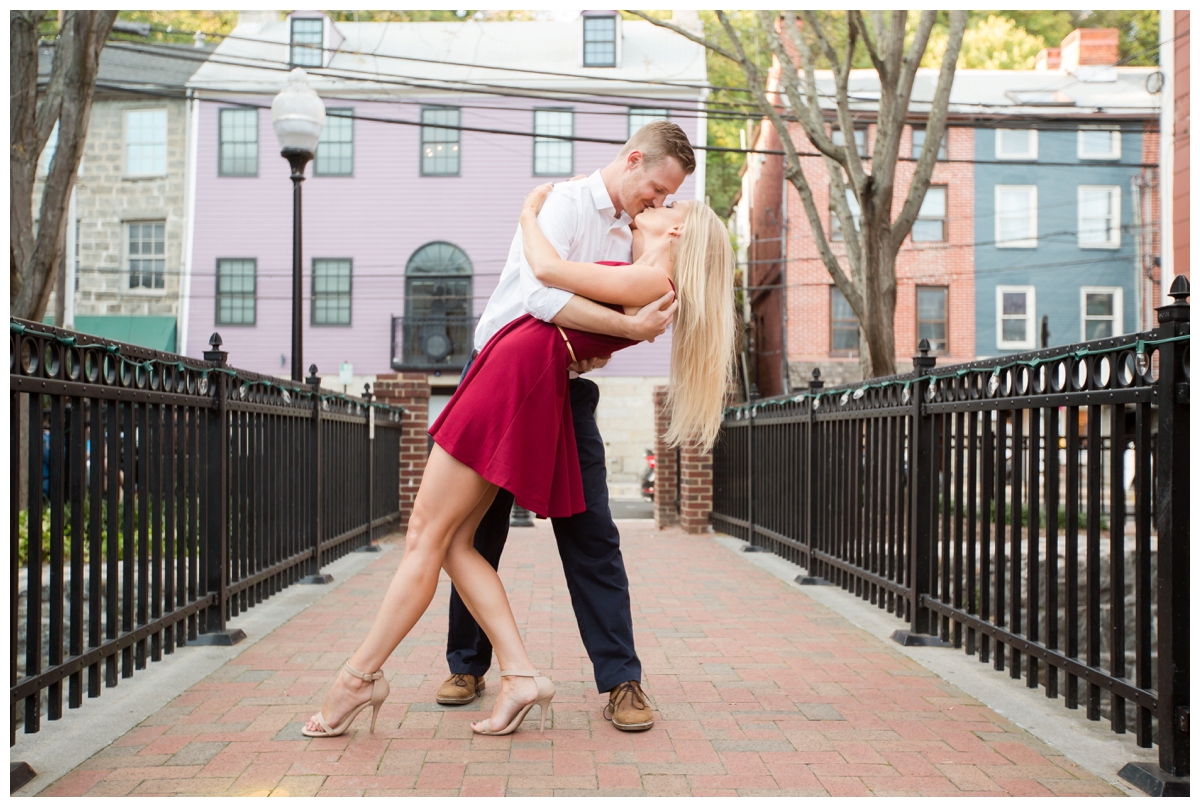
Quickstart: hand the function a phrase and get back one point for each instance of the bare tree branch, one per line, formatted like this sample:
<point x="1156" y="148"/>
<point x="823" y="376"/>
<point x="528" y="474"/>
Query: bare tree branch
<point x="935" y="130"/>
<point x="67" y="101"/>
<point x="856" y="19"/>
<point x="699" y="40"/>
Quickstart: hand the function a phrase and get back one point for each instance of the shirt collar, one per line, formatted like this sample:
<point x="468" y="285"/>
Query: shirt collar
<point x="603" y="201"/>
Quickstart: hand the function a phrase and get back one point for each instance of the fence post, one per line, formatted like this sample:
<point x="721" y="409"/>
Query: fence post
<point x="370" y="545"/>
<point x="314" y="567"/>
<point x="922" y="477"/>
<point x="815" y="572"/>
<point x="1172" y="508"/>
<point x="749" y="476"/>
<point x="215" y="567"/>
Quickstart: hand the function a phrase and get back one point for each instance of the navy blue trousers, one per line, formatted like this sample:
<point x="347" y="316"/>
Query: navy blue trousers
<point x="590" y="548"/>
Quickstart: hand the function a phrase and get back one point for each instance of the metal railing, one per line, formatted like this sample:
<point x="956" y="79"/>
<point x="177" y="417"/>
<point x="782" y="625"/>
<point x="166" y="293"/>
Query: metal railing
<point x="176" y="494"/>
<point x="432" y="342"/>
<point x="1032" y="509"/>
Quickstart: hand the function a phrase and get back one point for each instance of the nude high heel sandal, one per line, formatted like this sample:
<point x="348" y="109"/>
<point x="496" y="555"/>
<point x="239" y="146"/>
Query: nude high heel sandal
<point x="379" y="693"/>
<point x="545" y="694"/>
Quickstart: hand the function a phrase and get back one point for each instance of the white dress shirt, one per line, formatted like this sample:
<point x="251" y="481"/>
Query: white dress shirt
<point x="580" y="221"/>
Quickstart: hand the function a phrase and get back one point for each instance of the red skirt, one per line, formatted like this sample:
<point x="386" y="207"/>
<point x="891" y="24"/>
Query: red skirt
<point x="510" y="419"/>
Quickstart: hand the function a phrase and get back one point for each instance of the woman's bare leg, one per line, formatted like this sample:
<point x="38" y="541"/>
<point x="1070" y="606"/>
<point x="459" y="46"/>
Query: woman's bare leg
<point x="484" y="595"/>
<point x="451" y="496"/>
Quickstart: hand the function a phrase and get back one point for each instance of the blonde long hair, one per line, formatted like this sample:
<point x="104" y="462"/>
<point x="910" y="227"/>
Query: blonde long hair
<point x="705" y="327"/>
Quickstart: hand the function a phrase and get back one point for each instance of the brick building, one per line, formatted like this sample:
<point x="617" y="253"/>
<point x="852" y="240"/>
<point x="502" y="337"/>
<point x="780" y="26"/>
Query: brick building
<point x="1085" y="203"/>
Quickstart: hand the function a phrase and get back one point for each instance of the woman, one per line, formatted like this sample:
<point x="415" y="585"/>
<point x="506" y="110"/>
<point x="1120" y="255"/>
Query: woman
<point x="509" y="425"/>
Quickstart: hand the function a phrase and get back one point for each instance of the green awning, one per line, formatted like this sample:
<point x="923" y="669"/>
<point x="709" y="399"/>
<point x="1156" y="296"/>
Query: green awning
<point x="156" y="333"/>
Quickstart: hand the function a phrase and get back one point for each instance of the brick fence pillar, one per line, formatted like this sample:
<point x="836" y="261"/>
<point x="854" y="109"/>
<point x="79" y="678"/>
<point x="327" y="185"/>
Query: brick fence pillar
<point x="690" y="475"/>
<point x="410" y="390"/>
<point x="666" y="484"/>
<point x="696" y="489"/>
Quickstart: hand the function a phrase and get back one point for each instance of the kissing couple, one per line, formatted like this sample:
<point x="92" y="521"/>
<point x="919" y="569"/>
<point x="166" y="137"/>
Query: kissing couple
<point x="597" y="266"/>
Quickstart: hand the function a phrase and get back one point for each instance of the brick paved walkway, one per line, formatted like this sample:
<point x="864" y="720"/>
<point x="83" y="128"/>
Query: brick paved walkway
<point x="759" y="691"/>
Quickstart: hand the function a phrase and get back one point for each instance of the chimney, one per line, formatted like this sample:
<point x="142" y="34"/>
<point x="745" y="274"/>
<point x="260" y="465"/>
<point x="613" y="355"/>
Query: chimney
<point x="1049" y="59"/>
<point x="688" y="20"/>
<point x="1090" y="54"/>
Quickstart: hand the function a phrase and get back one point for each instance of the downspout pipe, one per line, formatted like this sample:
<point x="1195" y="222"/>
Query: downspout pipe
<point x="189" y="221"/>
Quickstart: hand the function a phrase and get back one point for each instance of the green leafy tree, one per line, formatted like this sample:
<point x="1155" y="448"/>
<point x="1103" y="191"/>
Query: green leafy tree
<point x="866" y="276"/>
<point x="990" y="43"/>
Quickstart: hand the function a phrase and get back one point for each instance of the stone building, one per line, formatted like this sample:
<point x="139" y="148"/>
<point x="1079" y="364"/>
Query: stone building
<point x="128" y="243"/>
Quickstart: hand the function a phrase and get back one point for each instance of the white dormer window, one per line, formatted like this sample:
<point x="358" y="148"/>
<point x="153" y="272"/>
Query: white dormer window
<point x="600" y="41"/>
<point x="1016" y="144"/>
<point x="308" y="39"/>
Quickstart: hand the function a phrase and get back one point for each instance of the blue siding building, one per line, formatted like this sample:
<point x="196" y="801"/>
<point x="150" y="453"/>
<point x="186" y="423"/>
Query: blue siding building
<point x="1055" y="232"/>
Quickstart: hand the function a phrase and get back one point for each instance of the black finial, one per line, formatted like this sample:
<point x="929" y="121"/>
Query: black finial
<point x="1180" y="289"/>
<point x="366" y="390"/>
<point x="215" y="341"/>
<point x="816" y="374"/>
<point x="923" y="347"/>
<point x="312" y="369"/>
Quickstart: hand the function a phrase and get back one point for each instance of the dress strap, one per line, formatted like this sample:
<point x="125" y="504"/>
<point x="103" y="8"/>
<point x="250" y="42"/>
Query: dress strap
<point x="570" y="349"/>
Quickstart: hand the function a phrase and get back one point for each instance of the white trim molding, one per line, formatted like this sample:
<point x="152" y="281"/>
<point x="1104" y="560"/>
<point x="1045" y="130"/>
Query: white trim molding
<point x="1031" y="153"/>
<point x="1118" y="309"/>
<point x="1112" y="238"/>
<point x="1114" y="143"/>
<point x="1030" y="340"/>
<point x="1031" y="239"/>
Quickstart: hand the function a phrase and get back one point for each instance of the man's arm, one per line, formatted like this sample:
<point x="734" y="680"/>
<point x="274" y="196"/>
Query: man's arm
<point x="558" y="221"/>
<point x="648" y="323"/>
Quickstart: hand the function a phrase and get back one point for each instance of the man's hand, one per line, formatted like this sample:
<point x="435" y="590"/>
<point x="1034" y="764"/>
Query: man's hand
<point x="651" y="321"/>
<point x="589" y="364"/>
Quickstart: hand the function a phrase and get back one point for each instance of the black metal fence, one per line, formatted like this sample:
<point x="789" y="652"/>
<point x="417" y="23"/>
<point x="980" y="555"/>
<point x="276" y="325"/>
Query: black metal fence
<point x="1031" y="509"/>
<point x="165" y="496"/>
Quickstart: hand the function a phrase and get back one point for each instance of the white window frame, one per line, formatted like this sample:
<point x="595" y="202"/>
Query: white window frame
<point x="305" y="49"/>
<point x="125" y="167"/>
<point x="944" y="218"/>
<point x="1031" y="154"/>
<point x="1020" y="243"/>
<point x="616" y="21"/>
<point x="1118" y="315"/>
<point x="1114" y="151"/>
<point x="541" y="140"/>
<point x="1030" y="343"/>
<point x="1115" y="192"/>
<point x="126" y="256"/>
<point x="645" y="115"/>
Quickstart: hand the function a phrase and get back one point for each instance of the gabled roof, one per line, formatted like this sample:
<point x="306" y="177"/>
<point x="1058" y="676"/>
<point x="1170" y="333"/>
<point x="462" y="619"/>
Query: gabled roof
<point x="647" y="52"/>
<point x="1022" y="94"/>
<point x="138" y="64"/>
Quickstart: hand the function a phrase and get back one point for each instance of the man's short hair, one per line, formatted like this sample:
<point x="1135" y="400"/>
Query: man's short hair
<point x="659" y="139"/>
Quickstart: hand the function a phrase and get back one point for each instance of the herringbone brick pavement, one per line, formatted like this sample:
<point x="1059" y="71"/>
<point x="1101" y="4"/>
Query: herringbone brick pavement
<point x="759" y="691"/>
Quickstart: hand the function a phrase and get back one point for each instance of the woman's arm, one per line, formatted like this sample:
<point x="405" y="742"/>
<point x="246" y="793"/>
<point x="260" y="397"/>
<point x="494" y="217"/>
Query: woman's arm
<point x="621" y="285"/>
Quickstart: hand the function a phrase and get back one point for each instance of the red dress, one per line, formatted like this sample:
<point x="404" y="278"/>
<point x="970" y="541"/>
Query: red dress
<point x="510" y="419"/>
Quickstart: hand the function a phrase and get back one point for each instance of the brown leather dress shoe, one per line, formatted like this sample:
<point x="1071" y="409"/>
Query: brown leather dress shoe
<point x="629" y="708"/>
<point x="459" y="689"/>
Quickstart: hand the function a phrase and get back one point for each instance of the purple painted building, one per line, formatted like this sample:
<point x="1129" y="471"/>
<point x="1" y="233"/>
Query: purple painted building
<point x="384" y="187"/>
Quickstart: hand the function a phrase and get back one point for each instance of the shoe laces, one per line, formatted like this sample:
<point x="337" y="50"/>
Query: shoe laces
<point x="460" y="679"/>
<point x="633" y="690"/>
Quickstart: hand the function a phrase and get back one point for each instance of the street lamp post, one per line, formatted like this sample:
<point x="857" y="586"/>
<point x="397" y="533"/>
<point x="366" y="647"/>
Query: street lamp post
<point x="298" y="116"/>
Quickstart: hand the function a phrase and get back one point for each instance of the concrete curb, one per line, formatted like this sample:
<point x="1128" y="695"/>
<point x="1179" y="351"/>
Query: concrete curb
<point x="1088" y="743"/>
<point x="64" y="744"/>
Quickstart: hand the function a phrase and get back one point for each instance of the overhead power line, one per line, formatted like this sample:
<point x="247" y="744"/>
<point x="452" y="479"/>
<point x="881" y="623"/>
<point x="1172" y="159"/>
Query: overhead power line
<point x="167" y="93"/>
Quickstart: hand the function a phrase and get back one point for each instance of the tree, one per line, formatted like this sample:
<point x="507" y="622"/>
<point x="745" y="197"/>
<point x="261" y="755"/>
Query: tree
<point x="67" y="101"/>
<point x="869" y="281"/>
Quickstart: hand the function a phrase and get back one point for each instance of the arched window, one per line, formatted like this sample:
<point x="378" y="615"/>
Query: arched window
<point x="438" y="281"/>
<point x="439" y="320"/>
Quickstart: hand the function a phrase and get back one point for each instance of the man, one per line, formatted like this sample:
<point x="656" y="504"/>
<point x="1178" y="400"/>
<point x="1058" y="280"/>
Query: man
<point x="586" y="221"/>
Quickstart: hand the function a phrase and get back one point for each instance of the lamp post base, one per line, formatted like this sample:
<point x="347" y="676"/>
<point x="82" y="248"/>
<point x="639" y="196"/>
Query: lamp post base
<point x="1154" y="781"/>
